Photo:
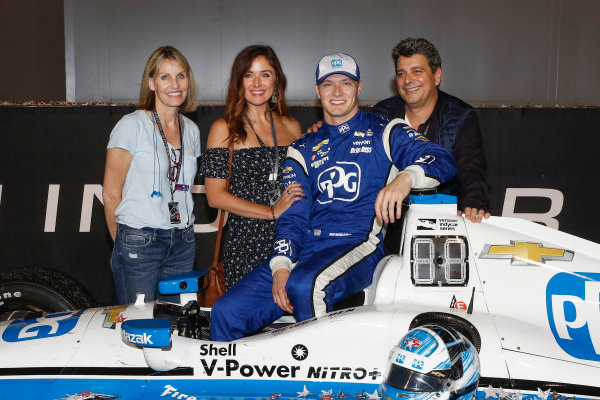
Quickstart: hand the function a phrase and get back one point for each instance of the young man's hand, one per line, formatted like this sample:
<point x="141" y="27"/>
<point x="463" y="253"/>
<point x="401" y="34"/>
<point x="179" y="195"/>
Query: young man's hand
<point x="388" y="205"/>
<point x="280" y="297"/>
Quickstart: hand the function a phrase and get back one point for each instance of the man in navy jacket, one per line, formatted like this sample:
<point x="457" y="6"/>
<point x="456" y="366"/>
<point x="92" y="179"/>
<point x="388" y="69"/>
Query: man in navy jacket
<point x="443" y="119"/>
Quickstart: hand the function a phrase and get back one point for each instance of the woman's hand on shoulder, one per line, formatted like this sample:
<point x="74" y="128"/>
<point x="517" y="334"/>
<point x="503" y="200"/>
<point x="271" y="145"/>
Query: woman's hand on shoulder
<point x="315" y="127"/>
<point x="218" y="135"/>
<point x="291" y="194"/>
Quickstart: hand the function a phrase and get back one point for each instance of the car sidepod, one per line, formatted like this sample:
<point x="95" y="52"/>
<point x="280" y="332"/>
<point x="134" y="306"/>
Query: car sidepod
<point x="542" y="287"/>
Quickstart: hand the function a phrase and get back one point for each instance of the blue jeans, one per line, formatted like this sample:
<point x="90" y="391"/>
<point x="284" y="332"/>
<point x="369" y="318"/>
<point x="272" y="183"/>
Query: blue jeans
<point x="142" y="257"/>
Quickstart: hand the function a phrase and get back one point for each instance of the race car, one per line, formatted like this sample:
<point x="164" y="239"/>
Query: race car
<point x="526" y="296"/>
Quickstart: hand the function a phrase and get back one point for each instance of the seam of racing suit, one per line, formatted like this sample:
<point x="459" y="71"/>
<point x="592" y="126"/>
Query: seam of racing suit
<point x="295" y="155"/>
<point x="342" y="265"/>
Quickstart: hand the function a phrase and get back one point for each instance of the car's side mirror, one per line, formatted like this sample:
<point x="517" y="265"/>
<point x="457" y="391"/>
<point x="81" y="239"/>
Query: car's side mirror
<point x="154" y="336"/>
<point x="147" y="332"/>
<point x="186" y="285"/>
<point x="186" y="282"/>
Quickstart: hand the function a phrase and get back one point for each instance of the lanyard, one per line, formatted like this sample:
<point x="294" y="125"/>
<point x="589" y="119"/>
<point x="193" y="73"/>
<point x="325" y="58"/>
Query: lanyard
<point x="178" y="165"/>
<point x="274" y="165"/>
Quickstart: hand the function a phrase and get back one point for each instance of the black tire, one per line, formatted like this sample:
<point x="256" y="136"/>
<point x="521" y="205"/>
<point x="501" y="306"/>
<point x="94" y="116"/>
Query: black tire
<point x="33" y="291"/>
<point x="463" y="326"/>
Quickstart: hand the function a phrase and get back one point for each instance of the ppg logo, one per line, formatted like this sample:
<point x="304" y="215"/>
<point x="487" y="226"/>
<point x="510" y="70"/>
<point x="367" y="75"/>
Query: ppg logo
<point x="573" y="303"/>
<point x="341" y="182"/>
<point x="336" y="62"/>
<point x="344" y="128"/>
<point x="38" y="328"/>
<point x="283" y="247"/>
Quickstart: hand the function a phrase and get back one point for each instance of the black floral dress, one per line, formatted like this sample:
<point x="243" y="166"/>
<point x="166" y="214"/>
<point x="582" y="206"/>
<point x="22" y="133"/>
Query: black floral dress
<point x="248" y="241"/>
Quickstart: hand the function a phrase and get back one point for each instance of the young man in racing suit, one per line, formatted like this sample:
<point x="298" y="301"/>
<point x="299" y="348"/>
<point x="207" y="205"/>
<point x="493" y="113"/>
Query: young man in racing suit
<point x="328" y="243"/>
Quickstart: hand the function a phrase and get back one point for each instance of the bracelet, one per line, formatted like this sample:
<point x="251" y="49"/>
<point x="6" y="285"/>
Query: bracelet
<point x="273" y="214"/>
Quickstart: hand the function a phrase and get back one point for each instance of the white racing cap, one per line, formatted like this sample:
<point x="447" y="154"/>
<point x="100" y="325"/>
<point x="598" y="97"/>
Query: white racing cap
<point x="337" y="63"/>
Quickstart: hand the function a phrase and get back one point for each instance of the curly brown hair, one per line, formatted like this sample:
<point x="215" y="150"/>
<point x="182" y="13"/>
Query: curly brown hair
<point x="410" y="46"/>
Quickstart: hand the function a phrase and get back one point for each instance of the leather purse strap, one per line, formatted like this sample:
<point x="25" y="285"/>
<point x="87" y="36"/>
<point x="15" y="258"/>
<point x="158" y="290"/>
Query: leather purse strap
<point x="222" y="213"/>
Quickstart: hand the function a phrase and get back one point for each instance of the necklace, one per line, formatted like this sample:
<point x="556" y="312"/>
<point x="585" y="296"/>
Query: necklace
<point x="275" y="191"/>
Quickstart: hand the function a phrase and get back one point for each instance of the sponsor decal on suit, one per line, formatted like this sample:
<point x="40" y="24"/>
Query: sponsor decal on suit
<point x="340" y="182"/>
<point x="321" y="144"/>
<point x="344" y="128"/>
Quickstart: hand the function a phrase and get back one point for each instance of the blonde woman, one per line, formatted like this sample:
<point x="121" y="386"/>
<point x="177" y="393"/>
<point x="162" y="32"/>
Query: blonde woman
<point x="150" y="167"/>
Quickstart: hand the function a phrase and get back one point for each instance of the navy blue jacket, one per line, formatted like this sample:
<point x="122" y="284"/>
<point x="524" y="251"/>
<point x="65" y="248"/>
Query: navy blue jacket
<point x="453" y="125"/>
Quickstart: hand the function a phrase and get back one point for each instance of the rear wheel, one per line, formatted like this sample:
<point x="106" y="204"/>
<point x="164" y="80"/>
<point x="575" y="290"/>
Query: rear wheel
<point x="33" y="291"/>
<point x="463" y="326"/>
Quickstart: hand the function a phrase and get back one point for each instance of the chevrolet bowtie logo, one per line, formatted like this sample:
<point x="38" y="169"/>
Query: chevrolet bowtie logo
<point x="523" y="253"/>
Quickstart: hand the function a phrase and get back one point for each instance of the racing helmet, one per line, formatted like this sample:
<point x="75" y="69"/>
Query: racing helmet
<point x="431" y="362"/>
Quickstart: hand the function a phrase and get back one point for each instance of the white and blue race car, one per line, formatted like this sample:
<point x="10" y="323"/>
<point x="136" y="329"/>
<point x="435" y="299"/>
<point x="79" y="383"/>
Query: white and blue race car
<point x="526" y="296"/>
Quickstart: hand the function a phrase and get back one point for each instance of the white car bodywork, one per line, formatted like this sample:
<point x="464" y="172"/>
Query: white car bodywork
<point x="530" y="293"/>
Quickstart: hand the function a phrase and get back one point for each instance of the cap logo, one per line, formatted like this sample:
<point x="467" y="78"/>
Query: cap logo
<point x="336" y="63"/>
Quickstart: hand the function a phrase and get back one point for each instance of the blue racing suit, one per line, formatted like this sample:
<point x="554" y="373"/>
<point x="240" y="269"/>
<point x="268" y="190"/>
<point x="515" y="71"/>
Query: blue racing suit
<point x="331" y="239"/>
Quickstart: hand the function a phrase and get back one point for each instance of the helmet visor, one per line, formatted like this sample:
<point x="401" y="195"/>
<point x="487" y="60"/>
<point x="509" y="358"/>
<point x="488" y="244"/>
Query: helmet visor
<point x="413" y="381"/>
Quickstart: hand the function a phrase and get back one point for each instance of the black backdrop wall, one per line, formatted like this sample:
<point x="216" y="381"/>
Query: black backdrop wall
<point x="541" y="166"/>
